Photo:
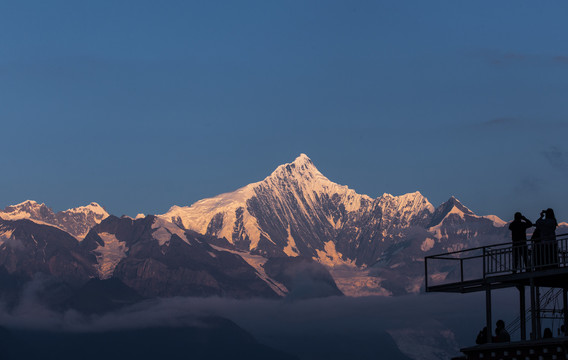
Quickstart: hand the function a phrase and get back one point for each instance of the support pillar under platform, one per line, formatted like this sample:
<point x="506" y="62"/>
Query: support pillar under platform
<point x="533" y="310"/>
<point x="564" y="304"/>
<point x="538" y="314"/>
<point x="488" y="314"/>
<point x="522" y="313"/>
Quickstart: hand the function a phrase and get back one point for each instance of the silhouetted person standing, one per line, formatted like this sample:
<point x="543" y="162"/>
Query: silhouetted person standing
<point x="546" y="227"/>
<point x="501" y="335"/>
<point x="482" y="337"/>
<point x="518" y="229"/>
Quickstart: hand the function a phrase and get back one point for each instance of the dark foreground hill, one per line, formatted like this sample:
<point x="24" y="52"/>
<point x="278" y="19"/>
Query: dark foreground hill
<point x="209" y="338"/>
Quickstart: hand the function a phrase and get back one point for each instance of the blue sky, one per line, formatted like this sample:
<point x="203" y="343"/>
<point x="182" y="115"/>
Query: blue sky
<point x="141" y="105"/>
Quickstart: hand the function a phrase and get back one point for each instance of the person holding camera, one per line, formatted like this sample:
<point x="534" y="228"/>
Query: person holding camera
<point x="518" y="229"/>
<point x="546" y="228"/>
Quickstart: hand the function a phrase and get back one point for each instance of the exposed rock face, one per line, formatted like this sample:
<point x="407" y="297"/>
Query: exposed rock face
<point x="149" y="255"/>
<point x="28" y="248"/>
<point x="156" y="258"/>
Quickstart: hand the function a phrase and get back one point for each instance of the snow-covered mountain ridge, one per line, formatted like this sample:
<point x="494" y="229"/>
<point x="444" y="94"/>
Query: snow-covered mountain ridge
<point x="291" y="187"/>
<point x="370" y="246"/>
<point x="298" y="211"/>
<point x="76" y="221"/>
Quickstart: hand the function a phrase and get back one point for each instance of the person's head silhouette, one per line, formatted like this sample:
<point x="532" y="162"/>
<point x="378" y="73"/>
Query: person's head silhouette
<point x="518" y="216"/>
<point x="550" y="214"/>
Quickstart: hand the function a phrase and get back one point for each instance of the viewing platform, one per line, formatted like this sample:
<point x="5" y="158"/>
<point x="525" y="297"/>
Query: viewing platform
<point x="549" y="349"/>
<point x="534" y="265"/>
<point x="493" y="267"/>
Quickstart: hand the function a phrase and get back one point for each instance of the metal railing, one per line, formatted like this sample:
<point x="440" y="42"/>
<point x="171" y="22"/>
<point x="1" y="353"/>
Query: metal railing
<point x="498" y="259"/>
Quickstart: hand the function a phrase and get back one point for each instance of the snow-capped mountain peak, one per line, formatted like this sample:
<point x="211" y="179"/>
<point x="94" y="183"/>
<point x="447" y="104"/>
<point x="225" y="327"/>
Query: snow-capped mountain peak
<point x="28" y="209"/>
<point x="27" y="203"/>
<point x="455" y="202"/>
<point x="94" y="208"/>
<point x="301" y="170"/>
<point x="405" y="209"/>
<point x="196" y="217"/>
<point x="302" y="164"/>
<point x="76" y="221"/>
<point x="452" y="206"/>
<point x="303" y="179"/>
<point x="302" y="160"/>
<point x="290" y="190"/>
<point x="415" y="202"/>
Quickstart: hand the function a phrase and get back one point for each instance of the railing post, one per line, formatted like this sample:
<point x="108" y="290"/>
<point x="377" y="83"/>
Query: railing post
<point x="538" y="313"/>
<point x="461" y="269"/>
<point x="511" y="265"/>
<point x="565" y="310"/>
<point x="533" y="309"/>
<point x="531" y="254"/>
<point x="563" y="251"/>
<point x="488" y="312"/>
<point x="484" y="265"/>
<point x="522" y="314"/>
<point x="426" y="273"/>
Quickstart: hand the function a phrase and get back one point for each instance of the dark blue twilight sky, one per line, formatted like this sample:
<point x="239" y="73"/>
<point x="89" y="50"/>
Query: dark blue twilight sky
<point x="140" y="105"/>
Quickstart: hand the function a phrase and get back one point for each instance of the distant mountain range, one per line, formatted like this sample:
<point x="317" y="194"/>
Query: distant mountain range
<point x="267" y="239"/>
